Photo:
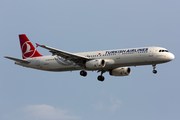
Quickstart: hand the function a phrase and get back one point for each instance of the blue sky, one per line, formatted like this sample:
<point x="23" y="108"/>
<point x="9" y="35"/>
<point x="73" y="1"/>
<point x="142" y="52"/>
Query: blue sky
<point x="80" y="26"/>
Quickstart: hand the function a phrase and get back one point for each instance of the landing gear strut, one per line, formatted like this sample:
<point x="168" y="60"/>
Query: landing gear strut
<point x="83" y="73"/>
<point x="100" y="77"/>
<point x="154" y="67"/>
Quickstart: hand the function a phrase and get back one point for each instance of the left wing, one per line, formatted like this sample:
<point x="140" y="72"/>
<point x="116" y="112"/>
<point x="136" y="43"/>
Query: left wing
<point x="78" y="59"/>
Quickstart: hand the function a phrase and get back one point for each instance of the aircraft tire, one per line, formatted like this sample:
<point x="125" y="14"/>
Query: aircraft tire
<point x="154" y="71"/>
<point x="100" y="78"/>
<point x="83" y="73"/>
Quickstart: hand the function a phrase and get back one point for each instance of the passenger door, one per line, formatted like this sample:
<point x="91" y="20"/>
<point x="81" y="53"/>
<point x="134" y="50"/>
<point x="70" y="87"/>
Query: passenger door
<point x="151" y="50"/>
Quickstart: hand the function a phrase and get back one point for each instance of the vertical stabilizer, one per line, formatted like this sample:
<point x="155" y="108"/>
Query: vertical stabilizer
<point x="27" y="48"/>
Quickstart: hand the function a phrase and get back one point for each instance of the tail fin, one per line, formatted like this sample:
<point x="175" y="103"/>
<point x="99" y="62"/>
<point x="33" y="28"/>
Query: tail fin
<point x="28" y="50"/>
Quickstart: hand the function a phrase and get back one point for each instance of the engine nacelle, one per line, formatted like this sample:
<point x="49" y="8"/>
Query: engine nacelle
<point x="121" y="71"/>
<point x="95" y="64"/>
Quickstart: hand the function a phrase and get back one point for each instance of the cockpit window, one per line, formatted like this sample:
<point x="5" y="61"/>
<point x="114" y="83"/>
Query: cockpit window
<point x="163" y="51"/>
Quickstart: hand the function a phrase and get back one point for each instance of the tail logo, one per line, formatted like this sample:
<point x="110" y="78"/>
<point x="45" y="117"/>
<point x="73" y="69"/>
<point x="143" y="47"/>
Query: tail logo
<point x="26" y="50"/>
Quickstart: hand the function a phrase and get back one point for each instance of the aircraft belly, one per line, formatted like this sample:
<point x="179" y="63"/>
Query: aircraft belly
<point x="63" y="69"/>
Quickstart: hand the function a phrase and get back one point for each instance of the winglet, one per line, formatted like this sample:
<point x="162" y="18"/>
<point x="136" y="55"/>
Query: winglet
<point x="37" y="45"/>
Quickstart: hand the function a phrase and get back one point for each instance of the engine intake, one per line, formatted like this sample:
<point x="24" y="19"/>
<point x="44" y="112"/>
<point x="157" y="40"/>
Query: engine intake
<point x="95" y="64"/>
<point x="121" y="71"/>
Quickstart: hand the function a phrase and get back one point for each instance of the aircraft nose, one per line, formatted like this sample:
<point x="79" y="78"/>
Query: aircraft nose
<point x="171" y="56"/>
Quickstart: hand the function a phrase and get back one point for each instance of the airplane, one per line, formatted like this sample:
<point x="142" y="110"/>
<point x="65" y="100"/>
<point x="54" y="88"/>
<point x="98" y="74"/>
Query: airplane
<point x="116" y="62"/>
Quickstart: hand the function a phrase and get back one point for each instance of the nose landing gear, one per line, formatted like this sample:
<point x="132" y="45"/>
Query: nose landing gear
<point x="154" y="67"/>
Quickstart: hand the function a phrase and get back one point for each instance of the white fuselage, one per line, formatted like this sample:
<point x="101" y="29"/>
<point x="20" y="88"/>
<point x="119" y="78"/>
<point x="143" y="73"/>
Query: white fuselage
<point x="114" y="58"/>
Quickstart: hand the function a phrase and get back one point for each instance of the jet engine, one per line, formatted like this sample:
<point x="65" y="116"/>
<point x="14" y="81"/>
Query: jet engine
<point x="121" y="71"/>
<point x="95" y="64"/>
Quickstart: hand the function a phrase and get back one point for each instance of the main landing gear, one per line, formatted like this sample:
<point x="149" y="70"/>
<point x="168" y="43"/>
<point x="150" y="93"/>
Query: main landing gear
<point x="83" y="73"/>
<point x="154" y="67"/>
<point x="100" y="77"/>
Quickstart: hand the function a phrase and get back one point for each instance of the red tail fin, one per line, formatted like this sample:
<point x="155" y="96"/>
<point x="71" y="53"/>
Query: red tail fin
<point x="28" y="50"/>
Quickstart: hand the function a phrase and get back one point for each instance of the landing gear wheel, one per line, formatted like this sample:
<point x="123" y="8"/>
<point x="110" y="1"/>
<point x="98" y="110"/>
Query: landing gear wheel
<point x="100" y="78"/>
<point x="83" y="73"/>
<point x="154" y="71"/>
<point x="154" y="67"/>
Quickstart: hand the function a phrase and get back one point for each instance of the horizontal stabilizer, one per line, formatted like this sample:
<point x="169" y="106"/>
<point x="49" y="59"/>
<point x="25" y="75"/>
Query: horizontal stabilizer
<point x="17" y="60"/>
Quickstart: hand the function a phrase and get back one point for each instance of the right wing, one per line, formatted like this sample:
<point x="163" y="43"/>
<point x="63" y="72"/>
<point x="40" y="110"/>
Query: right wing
<point x="17" y="60"/>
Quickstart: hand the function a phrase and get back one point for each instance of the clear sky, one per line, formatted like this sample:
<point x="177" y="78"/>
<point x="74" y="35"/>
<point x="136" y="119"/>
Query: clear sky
<point x="89" y="25"/>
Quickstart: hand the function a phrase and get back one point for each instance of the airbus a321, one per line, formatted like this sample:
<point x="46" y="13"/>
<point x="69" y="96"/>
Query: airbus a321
<point x="116" y="62"/>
